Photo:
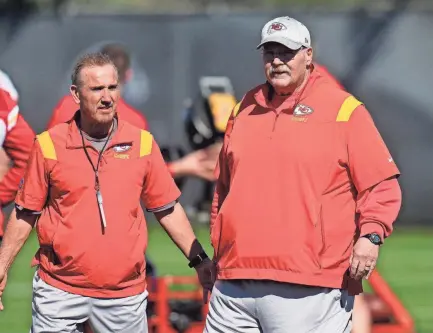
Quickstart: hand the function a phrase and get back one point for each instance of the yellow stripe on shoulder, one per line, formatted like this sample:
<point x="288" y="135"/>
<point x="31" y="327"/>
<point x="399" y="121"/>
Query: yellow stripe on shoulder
<point x="47" y="146"/>
<point x="349" y="105"/>
<point x="145" y="143"/>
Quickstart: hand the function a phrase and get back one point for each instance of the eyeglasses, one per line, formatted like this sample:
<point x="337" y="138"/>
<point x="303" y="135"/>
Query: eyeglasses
<point x="284" y="56"/>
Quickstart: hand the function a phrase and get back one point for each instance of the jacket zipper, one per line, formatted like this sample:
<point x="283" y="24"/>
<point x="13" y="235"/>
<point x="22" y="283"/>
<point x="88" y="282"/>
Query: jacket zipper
<point x="275" y="122"/>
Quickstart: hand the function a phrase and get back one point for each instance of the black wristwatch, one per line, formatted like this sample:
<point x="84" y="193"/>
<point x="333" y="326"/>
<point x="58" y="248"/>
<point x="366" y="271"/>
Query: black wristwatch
<point x="197" y="260"/>
<point x="374" y="238"/>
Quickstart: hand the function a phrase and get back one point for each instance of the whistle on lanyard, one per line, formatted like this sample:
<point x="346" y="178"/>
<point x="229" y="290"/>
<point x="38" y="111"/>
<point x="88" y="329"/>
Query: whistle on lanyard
<point x="99" y="199"/>
<point x="101" y="208"/>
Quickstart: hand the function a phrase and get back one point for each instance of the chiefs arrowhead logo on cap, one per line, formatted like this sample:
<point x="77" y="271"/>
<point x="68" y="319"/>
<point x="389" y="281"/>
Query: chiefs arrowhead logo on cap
<point x="275" y="27"/>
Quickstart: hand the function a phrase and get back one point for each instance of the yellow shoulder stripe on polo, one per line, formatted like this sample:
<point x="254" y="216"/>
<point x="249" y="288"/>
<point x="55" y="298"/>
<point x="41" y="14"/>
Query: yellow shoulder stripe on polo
<point x="145" y="143"/>
<point x="47" y="146"/>
<point x="349" y="105"/>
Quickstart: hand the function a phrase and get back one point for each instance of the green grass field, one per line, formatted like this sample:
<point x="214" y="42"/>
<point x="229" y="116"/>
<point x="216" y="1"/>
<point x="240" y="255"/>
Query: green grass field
<point x="406" y="262"/>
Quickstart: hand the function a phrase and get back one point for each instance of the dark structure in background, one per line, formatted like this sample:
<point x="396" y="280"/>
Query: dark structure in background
<point x="205" y="122"/>
<point x="384" y="60"/>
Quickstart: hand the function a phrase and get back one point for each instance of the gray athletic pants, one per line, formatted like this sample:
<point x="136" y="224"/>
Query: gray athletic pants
<point x="248" y="306"/>
<point x="57" y="311"/>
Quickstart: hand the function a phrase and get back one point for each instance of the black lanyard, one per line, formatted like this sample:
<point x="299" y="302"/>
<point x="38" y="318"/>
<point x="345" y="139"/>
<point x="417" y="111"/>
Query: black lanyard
<point x="95" y="170"/>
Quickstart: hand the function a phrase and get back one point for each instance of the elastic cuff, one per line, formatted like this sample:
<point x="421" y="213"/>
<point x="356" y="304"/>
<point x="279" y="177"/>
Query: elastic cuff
<point x="28" y="211"/>
<point x="29" y="204"/>
<point x="372" y="227"/>
<point x="161" y="209"/>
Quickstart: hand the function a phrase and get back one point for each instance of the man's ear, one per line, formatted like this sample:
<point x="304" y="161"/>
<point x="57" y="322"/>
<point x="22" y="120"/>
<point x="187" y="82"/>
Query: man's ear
<point x="75" y="93"/>
<point x="309" y="56"/>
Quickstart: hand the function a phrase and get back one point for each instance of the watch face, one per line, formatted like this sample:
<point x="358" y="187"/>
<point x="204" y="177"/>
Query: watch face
<point x="375" y="239"/>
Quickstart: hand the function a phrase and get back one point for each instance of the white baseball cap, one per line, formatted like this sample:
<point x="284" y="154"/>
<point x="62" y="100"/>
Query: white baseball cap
<point x="286" y="31"/>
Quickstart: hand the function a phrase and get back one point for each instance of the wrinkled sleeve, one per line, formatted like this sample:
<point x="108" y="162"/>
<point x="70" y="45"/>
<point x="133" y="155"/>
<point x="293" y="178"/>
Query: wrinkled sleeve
<point x="159" y="189"/>
<point x="378" y="208"/>
<point x="369" y="160"/>
<point x="33" y="188"/>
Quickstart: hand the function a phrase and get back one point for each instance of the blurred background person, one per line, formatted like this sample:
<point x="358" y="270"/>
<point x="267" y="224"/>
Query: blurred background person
<point x="16" y="140"/>
<point x="7" y="85"/>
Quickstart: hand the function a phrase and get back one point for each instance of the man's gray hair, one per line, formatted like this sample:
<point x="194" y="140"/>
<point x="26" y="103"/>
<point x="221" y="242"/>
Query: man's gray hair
<point x="89" y="60"/>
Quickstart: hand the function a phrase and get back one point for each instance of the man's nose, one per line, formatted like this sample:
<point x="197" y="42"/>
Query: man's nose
<point x="277" y="60"/>
<point x="106" y="97"/>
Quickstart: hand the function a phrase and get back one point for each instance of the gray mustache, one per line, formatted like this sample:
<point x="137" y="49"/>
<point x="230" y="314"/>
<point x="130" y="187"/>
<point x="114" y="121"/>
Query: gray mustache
<point x="277" y="70"/>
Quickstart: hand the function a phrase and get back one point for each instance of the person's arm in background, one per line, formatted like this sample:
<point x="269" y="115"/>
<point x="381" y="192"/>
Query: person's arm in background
<point x="200" y="163"/>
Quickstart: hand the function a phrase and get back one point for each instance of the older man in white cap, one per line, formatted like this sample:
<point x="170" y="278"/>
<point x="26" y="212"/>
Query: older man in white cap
<point x="307" y="192"/>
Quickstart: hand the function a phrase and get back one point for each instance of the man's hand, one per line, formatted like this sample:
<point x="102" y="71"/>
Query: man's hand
<point x="200" y="163"/>
<point x="206" y="273"/>
<point x="363" y="259"/>
<point x="3" y="279"/>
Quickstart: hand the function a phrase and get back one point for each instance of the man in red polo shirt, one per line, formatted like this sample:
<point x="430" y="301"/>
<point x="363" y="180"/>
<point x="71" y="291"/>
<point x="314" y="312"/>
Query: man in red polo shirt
<point x="307" y="192"/>
<point x="90" y="225"/>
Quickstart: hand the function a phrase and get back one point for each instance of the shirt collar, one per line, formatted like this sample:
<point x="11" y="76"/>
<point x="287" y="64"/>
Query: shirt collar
<point x="74" y="139"/>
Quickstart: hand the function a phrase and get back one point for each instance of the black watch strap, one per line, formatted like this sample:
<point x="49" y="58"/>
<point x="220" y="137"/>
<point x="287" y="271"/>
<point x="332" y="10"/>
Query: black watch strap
<point x="374" y="238"/>
<point x="198" y="259"/>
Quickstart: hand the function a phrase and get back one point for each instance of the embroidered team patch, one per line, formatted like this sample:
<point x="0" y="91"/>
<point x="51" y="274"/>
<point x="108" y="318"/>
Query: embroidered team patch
<point x="302" y="110"/>
<point x="121" y="148"/>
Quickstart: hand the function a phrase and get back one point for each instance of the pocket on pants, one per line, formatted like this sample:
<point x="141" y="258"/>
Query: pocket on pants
<point x="43" y="297"/>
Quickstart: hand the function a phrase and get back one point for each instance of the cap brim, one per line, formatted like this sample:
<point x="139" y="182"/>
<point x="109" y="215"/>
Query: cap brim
<point x="281" y="40"/>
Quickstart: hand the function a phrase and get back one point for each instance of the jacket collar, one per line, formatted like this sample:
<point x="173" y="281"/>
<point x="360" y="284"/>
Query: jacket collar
<point x="265" y="93"/>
